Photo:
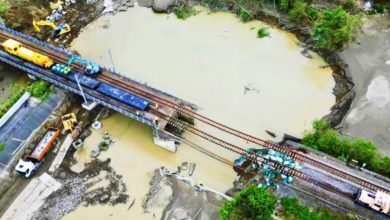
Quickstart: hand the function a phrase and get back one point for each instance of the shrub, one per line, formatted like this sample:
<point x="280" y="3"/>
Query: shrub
<point x="39" y="89"/>
<point x="184" y="11"/>
<point x="251" y="203"/>
<point x="325" y="139"/>
<point x="263" y="32"/>
<point x="292" y="209"/>
<point x="284" y="5"/>
<point x="335" y="28"/>
<point x="377" y="9"/>
<point x="298" y="11"/>
<point x="312" y="13"/>
<point x="350" y="5"/>
<point x="244" y="15"/>
<point x="4" y="5"/>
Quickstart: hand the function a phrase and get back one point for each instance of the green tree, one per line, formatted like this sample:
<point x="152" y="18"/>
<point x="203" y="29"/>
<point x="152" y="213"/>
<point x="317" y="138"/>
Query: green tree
<point x="335" y="28"/>
<point x="251" y="203"/>
<point x="2" y="147"/>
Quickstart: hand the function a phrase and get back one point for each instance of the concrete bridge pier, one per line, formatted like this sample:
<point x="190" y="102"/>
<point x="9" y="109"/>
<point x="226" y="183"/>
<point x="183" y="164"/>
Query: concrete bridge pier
<point x="165" y="140"/>
<point x="89" y="105"/>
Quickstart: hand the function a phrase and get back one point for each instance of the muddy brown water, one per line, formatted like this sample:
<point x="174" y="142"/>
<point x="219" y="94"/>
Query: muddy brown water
<point x="214" y="61"/>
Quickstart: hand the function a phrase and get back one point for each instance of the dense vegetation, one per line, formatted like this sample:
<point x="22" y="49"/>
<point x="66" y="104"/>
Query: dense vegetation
<point x="251" y="203"/>
<point x="184" y="11"/>
<point x="292" y="209"/>
<point x="325" y="139"/>
<point x="332" y="28"/>
<point x="257" y="203"/>
<point x="39" y="89"/>
<point x="335" y="28"/>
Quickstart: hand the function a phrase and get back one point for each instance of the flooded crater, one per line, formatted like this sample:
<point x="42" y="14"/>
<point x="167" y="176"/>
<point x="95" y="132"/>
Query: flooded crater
<point x="218" y="63"/>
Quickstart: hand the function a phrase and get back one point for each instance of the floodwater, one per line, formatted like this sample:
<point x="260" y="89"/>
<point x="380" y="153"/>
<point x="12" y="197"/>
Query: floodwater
<point x="135" y="157"/>
<point x="209" y="60"/>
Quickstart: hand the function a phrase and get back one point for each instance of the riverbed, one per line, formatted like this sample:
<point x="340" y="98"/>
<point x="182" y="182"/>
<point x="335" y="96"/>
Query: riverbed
<point x="214" y="61"/>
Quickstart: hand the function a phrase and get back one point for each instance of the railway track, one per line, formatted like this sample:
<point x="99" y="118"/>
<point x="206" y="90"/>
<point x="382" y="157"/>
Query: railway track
<point x="61" y="58"/>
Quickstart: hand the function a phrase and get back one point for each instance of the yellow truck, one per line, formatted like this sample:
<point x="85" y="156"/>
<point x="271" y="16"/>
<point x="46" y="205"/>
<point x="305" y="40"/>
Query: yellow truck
<point x="15" y="48"/>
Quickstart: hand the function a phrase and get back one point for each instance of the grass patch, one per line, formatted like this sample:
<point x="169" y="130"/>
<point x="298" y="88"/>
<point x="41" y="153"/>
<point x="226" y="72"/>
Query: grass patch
<point x="39" y="89"/>
<point x="325" y="139"/>
<point x="263" y="32"/>
<point x="244" y="15"/>
<point x="184" y="11"/>
<point x="2" y="147"/>
<point x="292" y="209"/>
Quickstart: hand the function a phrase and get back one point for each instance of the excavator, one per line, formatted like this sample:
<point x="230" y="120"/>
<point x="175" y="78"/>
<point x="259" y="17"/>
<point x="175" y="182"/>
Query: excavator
<point x="57" y="30"/>
<point x="90" y="69"/>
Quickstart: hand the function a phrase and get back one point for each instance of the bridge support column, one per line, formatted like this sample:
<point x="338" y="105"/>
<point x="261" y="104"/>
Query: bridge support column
<point x="89" y="105"/>
<point x="163" y="140"/>
<point x="32" y="77"/>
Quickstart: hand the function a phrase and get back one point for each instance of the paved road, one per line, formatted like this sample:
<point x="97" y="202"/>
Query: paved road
<point x="23" y="123"/>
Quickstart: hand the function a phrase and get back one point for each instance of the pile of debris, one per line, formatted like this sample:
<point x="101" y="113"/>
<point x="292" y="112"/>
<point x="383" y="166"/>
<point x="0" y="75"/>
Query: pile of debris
<point x="270" y="176"/>
<point x="103" y="146"/>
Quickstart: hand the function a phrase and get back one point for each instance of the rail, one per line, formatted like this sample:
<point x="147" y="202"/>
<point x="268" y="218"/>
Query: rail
<point x="61" y="56"/>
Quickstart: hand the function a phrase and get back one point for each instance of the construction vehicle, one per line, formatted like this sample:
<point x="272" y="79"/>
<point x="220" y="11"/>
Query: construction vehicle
<point x="378" y="201"/>
<point x="27" y="166"/>
<point x="90" y="68"/>
<point x="57" y="30"/>
<point x="15" y="48"/>
<point x="71" y="124"/>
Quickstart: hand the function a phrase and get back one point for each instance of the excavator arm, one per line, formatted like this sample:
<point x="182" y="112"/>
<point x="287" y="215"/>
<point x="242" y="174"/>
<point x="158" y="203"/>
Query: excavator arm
<point x="36" y="25"/>
<point x="90" y="68"/>
<point x="58" y="30"/>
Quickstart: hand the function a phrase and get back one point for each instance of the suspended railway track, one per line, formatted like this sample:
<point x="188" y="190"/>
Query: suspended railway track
<point x="105" y="76"/>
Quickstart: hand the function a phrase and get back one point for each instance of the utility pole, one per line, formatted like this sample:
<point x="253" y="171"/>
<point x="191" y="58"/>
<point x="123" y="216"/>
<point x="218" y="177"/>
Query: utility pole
<point x="112" y="61"/>
<point x="81" y="89"/>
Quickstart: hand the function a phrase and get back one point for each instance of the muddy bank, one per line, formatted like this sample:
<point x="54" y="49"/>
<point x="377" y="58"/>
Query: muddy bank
<point x="368" y="62"/>
<point x="179" y="199"/>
